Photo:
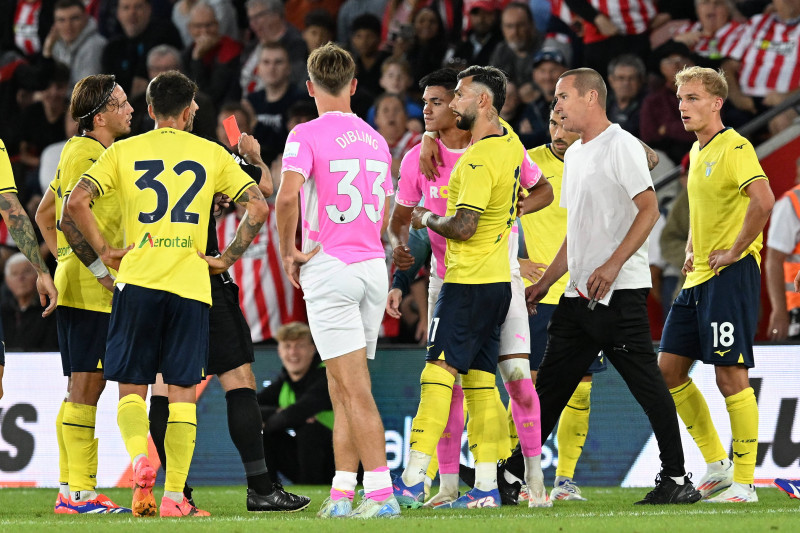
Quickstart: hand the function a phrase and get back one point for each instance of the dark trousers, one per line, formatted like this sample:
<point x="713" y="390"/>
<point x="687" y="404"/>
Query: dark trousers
<point x="599" y="54"/>
<point x="306" y="457"/>
<point x="575" y="336"/>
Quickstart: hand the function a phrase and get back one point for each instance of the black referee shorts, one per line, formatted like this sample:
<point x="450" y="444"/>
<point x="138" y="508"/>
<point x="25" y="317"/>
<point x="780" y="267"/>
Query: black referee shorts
<point x="229" y="343"/>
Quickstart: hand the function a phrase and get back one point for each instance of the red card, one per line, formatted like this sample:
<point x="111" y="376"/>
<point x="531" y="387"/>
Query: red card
<point x="232" y="130"/>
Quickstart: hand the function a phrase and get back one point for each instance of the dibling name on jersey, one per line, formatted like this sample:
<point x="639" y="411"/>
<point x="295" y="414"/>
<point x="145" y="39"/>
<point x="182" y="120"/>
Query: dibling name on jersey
<point x="352" y="136"/>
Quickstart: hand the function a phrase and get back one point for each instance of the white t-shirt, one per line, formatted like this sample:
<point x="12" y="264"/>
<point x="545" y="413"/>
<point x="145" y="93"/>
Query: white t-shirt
<point x="600" y="179"/>
<point x="784" y="228"/>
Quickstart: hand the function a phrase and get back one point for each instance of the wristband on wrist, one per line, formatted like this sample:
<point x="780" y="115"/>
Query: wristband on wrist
<point x="425" y="217"/>
<point x="98" y="269"/>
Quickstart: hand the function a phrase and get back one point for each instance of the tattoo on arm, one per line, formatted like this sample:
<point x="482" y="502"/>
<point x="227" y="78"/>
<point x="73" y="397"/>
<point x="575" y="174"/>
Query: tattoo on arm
<point x="460" y="226"/>
<point x="88" y="186"/>
<point x="21" y="229"/>
<point x="248" y="229"/>
<point x="76" y="240"/>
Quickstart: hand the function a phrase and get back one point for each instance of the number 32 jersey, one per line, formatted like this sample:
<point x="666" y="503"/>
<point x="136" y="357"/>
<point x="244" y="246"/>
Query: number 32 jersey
<point x="166" y="180"/>
<point x="346" y="165"/>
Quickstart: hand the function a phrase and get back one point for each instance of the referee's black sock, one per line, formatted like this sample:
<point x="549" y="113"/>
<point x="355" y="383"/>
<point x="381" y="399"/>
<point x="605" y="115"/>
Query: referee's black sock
<point x="159" y="413"/>
<point x="244" y="424"/>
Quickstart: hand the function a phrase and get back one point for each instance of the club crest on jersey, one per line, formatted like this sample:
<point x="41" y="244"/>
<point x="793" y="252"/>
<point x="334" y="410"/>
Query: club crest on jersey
<point x="709" y="165"/>
<point x="159" y="242"/>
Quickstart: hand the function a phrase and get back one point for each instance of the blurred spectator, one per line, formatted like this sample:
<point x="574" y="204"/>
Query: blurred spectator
<point x="271" y="104"/>
<point x="521" y="41"/>
<point x="390" y="121"/>
<point x="297" y="412"/>
<point x="125" y="56"/>
<point x="626" y="75"/>
<point x="396" y="22"/>
<point x="750" y="8"/>
<point x="365" y="44"/>
<point x="428" y="46"/>
<point x="298" y="10"/>
<point x="481" y="39"/>
<point x="267" y="297"/>
<point x="163" y="58"/>
<point x="48" y="161"/>
<point x="396" y="79"/>
<point x="353" y="9"/>
<point x="75" y="41"/>
<point x="319" y="29"/>
<point x="24" y="25"/>
<point x="268" y="22"/>
<point x="212" y="60"/>
<point x="223" y="10"/>
<point x="783" y="264"/>
<point x="676" y="228"/>
<point x="712" y="36"/>
<point x="660" y="121"/>
<point x="25" y="329"/>
<point x="534" y="125"/>
<point x="42" y="124"/>
<point x="615" y="28"/>
<point x="764" y="68"/>
<point x="19" y="78"/>
<point x="512" y="107"/>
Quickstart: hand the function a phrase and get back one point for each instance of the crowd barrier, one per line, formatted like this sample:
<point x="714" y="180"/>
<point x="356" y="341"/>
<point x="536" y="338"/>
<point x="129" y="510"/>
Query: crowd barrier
<point x="620" y="448"/>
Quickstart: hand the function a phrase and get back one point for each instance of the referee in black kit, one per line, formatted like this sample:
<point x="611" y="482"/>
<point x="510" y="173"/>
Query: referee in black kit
<point x="230" y="355"/>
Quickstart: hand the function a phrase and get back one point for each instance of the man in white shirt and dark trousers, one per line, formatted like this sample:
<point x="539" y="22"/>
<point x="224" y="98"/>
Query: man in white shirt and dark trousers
<point x="611" y="208"/>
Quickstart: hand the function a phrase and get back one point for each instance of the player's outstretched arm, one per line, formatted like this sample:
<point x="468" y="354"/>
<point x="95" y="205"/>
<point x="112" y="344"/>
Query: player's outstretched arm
<point x="257" y="210"/>
<point x="46" y="220"/>
<point x="459" y="227"/>
<point x="250" y="150"/>
<point x="21" y="229"/>
<point x="78" y="219"/>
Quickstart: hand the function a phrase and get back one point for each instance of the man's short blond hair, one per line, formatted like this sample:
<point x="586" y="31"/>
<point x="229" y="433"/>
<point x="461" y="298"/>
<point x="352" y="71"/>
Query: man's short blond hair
<point x="293" y="331"/>
<point x="713" y="80"/>
<point x="331" y="68"/>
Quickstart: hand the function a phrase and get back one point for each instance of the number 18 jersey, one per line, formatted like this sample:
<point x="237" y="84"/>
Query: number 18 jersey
<point x="346" y="165"/>
<point x="166" y="180"/>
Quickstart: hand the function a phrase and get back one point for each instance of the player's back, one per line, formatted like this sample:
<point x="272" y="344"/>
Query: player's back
<point x="346" y="166"/>
<point x="77" y="286"/>
<point x="485" y="179"/>
<point x="166" y="181"/>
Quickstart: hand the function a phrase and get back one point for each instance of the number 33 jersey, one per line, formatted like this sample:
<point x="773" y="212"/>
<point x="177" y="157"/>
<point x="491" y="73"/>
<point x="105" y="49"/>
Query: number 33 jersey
<point x="346" y="165"/>
<point x="166" y="180"/>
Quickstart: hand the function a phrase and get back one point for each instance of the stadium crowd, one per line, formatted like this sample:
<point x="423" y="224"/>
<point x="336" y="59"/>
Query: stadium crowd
<point x="248" y="59"/>
<point x="514" y="82"/>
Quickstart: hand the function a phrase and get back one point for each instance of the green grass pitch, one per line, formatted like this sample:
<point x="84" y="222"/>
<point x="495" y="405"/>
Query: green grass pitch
<point x="608" y="510"/>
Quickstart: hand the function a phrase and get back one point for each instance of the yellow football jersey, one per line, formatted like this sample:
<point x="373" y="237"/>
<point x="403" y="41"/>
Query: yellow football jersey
<point x="7" y="183"/>
<point x="77" y="287"/>
<point x="485" y="179"/>
<point x="546" y="229"/>
<point x="718" y="175"/>
<point x="166" y="180"/>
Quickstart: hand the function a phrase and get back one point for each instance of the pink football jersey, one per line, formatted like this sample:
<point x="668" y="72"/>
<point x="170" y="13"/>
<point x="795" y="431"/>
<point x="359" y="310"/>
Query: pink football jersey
<point x="346" y="166"/>
<point x="414" y="186"/>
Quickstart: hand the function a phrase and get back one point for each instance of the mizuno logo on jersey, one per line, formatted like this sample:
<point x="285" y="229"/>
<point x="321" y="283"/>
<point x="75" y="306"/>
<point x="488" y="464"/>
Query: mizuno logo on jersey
<point x="93" y="160"/>
<point x="709" y="164"/>
<point x="721" y="353"/>
<point x="740" y="146"/>
<point x="173" y="242"/>
<point x="474" y="166"/>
